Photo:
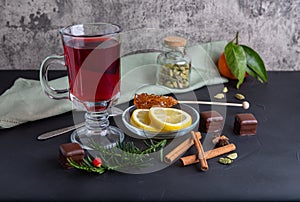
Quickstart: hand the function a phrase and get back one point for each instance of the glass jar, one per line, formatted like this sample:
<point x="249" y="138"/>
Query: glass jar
<point x="174" y="64"/>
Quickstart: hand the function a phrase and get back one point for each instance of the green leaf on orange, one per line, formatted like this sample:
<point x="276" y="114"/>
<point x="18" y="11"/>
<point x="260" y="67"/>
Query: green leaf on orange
<point x="255" y="64"/>
<point x="236" y="61"/>
<point x="251" y="73"/>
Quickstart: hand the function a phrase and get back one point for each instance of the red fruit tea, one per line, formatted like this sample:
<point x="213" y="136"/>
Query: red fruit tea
<point x="93" y="68"/>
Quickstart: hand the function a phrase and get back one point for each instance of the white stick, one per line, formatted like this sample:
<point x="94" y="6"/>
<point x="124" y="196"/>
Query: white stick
<point x="245" y="104"/>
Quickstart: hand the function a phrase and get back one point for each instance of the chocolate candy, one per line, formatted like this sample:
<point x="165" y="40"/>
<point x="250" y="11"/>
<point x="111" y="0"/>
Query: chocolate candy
<point x="211" y="121"/>
<point x="70" y="150"/>
<point x="245" y="124"/>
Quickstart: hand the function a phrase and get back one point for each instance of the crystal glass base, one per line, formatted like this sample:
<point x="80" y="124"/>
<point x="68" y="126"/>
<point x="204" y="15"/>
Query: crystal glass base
<point x="107" y="138"/>
<point x="97" y="132"/>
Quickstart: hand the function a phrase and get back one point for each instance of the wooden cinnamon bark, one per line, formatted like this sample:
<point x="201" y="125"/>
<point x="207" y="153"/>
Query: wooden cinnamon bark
<point x="180" y="149"/>
<point x="200" y="152"/>
<point x="188" y="160"/>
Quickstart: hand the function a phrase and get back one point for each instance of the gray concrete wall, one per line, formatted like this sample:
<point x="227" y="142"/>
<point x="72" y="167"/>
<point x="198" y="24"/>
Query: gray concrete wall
<point x="28" y="31"/>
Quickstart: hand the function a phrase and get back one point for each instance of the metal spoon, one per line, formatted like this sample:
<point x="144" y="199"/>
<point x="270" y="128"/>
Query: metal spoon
<point x="114" y="112"/>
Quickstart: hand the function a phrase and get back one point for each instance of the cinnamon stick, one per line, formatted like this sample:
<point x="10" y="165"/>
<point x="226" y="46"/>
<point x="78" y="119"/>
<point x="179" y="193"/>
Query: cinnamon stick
<point x="180" y="149"/>
<point x="188" y="160"/>
<point x="200" y="152"/>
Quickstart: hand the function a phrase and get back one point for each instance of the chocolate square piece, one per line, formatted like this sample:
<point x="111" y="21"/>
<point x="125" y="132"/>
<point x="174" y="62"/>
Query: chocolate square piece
<point x="211" y="121"/>
<point x="245" y="124"/>
<point x="70" y="150"/>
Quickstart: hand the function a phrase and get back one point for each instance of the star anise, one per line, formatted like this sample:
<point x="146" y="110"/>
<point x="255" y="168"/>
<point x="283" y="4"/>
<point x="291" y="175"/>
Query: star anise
<point x="221" y="141"/>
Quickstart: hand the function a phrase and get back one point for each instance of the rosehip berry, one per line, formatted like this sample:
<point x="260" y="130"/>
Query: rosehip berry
<point x="97" y="162"/>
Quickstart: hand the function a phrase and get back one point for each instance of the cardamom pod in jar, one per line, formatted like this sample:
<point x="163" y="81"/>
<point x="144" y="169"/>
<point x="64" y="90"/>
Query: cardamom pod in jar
<point x="175" y="65"/>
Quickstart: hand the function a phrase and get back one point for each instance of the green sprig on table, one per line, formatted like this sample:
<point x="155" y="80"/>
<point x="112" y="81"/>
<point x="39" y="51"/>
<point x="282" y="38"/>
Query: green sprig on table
<point x="124" y="155"/>
<point x="87" y="165"/>
<point x="241" y="59"/>
<point x="127" y="155"/>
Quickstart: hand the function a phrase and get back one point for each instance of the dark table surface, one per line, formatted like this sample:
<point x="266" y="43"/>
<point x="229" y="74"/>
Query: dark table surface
<point x="268" y="167"/>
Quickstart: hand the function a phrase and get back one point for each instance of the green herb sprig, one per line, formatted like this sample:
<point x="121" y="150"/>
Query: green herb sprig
<point x="87" y="165"/>
<point x="127" y="155"/>
<point x="124" y="155"/>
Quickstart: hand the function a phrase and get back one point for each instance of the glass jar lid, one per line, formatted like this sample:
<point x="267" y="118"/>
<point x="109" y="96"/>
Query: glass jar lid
<point x="174" y="41"/>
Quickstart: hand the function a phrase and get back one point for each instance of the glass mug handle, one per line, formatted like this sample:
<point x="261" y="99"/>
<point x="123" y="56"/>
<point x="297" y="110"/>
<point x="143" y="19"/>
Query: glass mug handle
<point x="53" y="93"/>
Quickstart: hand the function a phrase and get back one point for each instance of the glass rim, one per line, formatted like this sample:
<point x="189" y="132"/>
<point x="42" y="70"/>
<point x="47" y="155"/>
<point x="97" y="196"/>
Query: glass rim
<point x="118" y="30"/>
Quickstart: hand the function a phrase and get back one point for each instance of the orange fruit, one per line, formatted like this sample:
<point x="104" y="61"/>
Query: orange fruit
<point x="223" y="68"/>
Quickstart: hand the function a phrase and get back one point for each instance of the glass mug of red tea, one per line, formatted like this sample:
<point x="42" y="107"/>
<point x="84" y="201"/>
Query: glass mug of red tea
<point x="92" y="58"/>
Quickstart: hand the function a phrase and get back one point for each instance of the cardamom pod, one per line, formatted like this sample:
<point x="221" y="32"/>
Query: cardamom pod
<point x="232" y="156"/>
<point x="225" y="89"/>
<point x="219" y="96"/>
<point x="225" y="161"/>
<point x="174" y="75"/>
<point x="239" y="96"/>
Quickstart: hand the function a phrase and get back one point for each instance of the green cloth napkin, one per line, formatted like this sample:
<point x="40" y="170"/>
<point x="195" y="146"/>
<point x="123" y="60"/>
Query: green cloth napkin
<point x="25" y="100"/>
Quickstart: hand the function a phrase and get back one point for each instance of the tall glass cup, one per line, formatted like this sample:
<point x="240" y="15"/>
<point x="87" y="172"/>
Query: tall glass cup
<point x="92" y="57"/>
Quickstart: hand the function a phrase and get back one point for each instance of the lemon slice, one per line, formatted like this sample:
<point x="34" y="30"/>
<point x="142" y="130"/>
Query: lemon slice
<point x="169" y="119"/>
<point x="140" y="119"/>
